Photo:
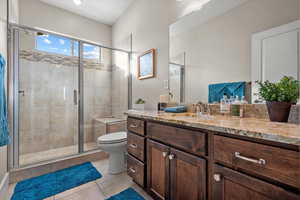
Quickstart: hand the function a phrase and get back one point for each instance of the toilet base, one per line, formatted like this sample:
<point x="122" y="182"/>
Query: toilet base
<point x="116" y="163"/>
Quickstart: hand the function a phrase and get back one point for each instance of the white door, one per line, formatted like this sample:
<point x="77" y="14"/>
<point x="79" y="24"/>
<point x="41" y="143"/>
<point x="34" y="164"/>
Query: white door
<point x="280" y="56"/>
<point x="275" y="53"/>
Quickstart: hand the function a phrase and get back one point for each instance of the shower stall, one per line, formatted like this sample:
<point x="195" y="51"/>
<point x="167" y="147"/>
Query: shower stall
<point x="60" y="87"/>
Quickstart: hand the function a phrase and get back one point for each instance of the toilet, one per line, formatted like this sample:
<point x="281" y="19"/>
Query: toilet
<point x="115" y="145"/>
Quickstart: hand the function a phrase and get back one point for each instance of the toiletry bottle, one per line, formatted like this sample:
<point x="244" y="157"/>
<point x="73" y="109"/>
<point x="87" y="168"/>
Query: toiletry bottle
<point x="243" y="102"/>
<point x="222" y="105"/>
<point x="237" y="100"/>
<point x="225" y="105"/>
<point x="231" y="100"/>
<point x="236" y="107"/>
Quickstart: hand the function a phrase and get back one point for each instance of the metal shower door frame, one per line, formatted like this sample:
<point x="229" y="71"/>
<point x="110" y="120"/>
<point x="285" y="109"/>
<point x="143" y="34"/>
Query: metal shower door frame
<point x="13" y="90"/>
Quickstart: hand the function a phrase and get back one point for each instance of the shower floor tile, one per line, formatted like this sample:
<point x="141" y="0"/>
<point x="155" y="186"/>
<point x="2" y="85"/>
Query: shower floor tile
<point x="32" y="158"/>
<point x="100" y="189"/>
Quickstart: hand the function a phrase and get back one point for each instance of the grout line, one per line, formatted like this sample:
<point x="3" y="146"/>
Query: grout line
<point x="101" y="190"/>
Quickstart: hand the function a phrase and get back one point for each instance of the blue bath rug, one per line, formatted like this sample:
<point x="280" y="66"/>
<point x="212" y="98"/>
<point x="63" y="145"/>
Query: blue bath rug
<point x="128" y="194"/>
<point x="47" y="185"/>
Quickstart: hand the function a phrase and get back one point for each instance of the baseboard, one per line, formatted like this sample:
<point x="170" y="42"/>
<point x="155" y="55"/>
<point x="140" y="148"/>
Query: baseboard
<point x="4" y="187"/>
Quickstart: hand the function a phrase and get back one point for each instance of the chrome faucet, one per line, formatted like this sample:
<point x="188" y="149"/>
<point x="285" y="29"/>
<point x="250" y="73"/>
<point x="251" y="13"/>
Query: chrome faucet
<point x="203" y="108"/>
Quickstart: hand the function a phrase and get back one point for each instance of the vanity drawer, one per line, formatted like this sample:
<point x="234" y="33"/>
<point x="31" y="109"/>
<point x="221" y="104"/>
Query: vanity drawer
<point x="135" y="169"/>
<point x="271" y="162"/>
<point x="188" y="140"/>
<point x="136" y="126"/>
<point x="136" y="146"/>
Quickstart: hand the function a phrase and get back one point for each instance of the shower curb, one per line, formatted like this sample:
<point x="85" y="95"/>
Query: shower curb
<point x="20" y="174"/>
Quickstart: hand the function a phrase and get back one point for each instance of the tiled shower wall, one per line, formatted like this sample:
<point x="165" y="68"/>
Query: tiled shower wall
<point x="48" y="115"/>
<point x="120" y="71"/>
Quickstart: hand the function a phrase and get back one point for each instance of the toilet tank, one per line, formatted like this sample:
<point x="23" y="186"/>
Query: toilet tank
<point x="102" y="126"/>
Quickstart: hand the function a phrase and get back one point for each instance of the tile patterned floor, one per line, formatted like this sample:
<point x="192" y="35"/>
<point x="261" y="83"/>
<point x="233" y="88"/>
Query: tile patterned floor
<point x="100" y="189"/>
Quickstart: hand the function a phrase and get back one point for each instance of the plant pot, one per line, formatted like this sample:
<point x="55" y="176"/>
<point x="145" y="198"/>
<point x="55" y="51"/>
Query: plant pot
<point x="279" y="111"/>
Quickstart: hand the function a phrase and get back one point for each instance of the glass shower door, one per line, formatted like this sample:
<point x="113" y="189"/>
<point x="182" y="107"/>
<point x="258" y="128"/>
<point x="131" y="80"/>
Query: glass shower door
<point x="96" y="91"/>
<point x="47" y="97"/>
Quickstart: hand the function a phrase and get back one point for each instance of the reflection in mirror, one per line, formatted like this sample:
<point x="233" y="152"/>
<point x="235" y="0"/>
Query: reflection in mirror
<point x="176" y="81"/>
<point x="231" y="44"/>
<point x="177" y="77"/>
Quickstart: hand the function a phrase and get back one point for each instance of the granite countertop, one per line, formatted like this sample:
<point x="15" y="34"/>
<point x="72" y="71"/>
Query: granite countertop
<point x="250" y="127"/>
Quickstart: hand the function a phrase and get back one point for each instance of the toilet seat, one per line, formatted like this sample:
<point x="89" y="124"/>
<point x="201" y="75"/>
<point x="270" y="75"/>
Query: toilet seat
<point x="112" y="138"/>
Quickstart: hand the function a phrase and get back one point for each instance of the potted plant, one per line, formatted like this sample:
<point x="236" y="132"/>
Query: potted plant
<point x="279" y="97"/>
<point x="139" y="104"/>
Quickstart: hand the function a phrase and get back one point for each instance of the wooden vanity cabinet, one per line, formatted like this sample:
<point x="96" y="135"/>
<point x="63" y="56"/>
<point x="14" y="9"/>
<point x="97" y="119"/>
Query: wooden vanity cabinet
<point x="187" y="176"/>
<point x="181" y="163"/>
<point x="275" y="163"/>
<point x="232" y="185"/>
<point x="173" y="174"/>
<point x="187" y="140"/>
<point x="136" y="167"/>
<point x="136" y="126"/>
<point x="136" y="170"/>
<point x="158" y="167"/>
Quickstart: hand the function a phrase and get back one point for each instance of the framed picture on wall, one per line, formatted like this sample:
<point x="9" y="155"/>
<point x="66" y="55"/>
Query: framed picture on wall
<point x="146" y="65"/>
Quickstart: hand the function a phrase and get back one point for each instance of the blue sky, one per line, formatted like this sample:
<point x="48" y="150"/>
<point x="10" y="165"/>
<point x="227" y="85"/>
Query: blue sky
<point x="60" y="45"/>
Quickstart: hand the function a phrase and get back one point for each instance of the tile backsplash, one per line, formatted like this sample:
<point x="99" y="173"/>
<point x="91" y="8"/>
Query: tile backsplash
<point x="259" y="111"/>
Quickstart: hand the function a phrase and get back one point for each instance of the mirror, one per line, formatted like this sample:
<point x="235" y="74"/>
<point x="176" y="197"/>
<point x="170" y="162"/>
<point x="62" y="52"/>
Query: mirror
<point x="223" y="44"/>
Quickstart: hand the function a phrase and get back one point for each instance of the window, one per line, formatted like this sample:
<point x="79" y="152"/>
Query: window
<point x="54" y="44"/>
<point x="64" y="46"/>
<point x="89" y="51"/>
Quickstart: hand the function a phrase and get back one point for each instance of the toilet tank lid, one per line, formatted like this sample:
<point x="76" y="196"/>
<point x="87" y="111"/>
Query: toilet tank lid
<point x="113" y="137"/>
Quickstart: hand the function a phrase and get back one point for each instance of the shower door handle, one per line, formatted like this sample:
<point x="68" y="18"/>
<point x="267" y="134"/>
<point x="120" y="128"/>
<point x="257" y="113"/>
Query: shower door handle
<point x="22" y="92"/>
<point x="75" y="97"/>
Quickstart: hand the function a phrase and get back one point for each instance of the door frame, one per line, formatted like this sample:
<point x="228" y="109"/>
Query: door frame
<point x="14" y="101"/>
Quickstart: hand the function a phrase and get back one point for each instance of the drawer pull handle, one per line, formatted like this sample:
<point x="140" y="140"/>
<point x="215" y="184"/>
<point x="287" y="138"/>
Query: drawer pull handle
<point x="259" y="161"/>
<point x="132" y="170"/>
<point x="171" y="157"/>
<point x="165" y="154"/>
<point x="134" y="146"/>
<point x="133" y="126"/>
<point x="217" y="177"/>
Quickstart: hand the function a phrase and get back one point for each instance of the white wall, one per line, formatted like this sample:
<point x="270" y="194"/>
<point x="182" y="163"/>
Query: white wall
<point x="13" y="11"/>
<point x="35" y="13"/>
<point x="148" y="21"/>
<point x="219" y="50"/>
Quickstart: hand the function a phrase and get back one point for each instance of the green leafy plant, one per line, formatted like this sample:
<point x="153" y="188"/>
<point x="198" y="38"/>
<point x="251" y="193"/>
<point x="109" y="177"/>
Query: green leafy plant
<point x="140" y="101"/>
<point x="286" y="90"/>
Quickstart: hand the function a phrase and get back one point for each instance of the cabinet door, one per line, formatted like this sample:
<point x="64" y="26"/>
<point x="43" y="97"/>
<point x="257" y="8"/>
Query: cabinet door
<point x="157" y="170"/>
<point x="231" y="185"/>
<point x="187" y="177"/>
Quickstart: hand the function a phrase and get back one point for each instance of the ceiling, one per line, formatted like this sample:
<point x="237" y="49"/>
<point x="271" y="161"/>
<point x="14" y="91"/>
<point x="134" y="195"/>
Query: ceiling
<point x="104" y="11"/>
<point x="197" y="12"/>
